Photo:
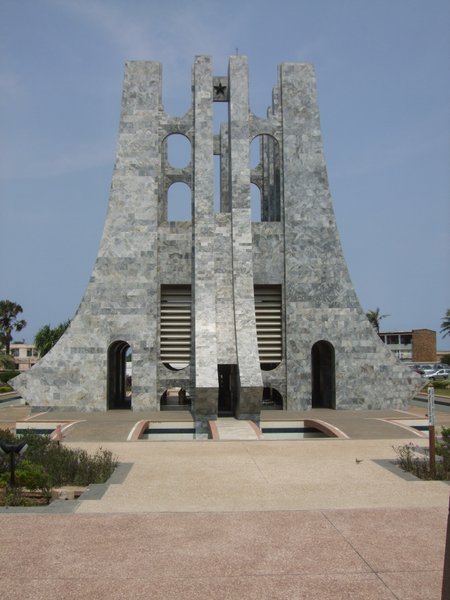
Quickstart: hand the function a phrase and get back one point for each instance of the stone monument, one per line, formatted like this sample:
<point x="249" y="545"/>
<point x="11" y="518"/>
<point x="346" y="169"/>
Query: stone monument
<point x="233" y="315"/>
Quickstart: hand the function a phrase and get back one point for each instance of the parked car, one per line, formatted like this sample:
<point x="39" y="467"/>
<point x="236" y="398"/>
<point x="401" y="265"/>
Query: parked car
<point x="416" y="369"/>
<point x="428" y="370"/>
<point x="436" y="374"/>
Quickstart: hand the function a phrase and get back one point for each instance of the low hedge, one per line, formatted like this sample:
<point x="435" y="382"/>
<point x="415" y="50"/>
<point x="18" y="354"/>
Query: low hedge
<point x="440" y="384"/>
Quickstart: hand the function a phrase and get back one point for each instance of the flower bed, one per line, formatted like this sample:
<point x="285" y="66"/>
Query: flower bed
<point x="415" y="459"/>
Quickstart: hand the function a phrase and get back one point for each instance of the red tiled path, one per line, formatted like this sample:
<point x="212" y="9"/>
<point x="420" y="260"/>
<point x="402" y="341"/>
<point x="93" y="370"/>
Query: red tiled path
<point x="331" y="554"/>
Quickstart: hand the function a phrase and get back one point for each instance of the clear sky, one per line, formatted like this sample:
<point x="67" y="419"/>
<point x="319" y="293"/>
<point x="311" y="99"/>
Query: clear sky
<point x="383" y="81"/>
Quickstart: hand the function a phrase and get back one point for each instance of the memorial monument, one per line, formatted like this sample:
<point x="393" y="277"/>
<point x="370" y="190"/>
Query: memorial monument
<point x="236" y="315"/>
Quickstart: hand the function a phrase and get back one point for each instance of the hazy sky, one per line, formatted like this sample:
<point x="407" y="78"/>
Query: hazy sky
<point x="383" y="80"/>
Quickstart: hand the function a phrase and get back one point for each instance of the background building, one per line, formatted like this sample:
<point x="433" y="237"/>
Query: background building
<point x="416" y="345"/>
<point x="25" y="356"/>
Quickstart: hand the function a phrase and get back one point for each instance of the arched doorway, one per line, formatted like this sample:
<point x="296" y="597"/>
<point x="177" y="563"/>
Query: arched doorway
<point x="119" y="382"/>
<point x="228" y="376"/>
<point x="272" y="399"/>
<point x="323" y="375"/>
<point x="175" y="398"/>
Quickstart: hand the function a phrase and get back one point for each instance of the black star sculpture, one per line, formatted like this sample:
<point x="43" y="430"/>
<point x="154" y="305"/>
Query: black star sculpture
<point x="220" y="89"/>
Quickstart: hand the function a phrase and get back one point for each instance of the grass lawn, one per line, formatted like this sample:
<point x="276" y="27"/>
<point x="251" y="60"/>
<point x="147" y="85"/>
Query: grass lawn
<point x="438" y="392"/>
<point x="443" y="392"/>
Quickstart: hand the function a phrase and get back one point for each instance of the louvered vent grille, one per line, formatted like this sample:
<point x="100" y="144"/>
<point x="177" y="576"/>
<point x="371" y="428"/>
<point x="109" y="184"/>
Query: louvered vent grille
<point x="176" y="325"/>
<point x="268" y="323"/>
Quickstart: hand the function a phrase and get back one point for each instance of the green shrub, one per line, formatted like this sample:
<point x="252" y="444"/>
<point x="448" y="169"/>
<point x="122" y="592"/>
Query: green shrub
<point x="442" y="384"/>
<point x="17" y="496"/>
<point x="7" y="436"/>
<point x="69" y="466"/>
<point x="10" y="438"/>
<point x="419" y="465"/>
<point x="443" y="448"/>
<point x="7" y="375"/>
<point x="64" y="466"/>
<point x="408" y="460"/>
<point x="30" y="476"/>
<point x="5" y="388"/>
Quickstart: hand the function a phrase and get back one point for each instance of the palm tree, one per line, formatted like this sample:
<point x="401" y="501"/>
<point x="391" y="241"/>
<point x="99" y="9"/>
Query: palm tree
<point x="445" y="325"/>
<point x="46" y="337"/>
<point x="375" y="318"/>
<point x="9" y="322"/>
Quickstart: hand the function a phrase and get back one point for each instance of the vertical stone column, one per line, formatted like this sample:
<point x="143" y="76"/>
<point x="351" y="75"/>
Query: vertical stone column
<point x="250" y="380"/>
<point x="206" y="379"/>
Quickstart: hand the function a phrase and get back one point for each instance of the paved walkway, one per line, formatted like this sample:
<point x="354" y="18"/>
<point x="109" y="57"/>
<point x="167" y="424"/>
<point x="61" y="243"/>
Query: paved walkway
<point x="379" y="554"/>
<point x="115" y="426"/>
<point x="238" y="520"/>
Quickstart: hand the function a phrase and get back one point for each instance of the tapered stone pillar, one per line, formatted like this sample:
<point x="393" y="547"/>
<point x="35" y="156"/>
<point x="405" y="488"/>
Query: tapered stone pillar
<point x="206" y="376"/>
<point x="250" y="380"/>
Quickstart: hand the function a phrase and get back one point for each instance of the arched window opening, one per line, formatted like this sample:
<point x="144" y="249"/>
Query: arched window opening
<point x="272" y="399"/>
<point x="323" y="375"/>
<point x="179" y="202"/>
<point x="175" y="398"/>
<point x="175" y="338"/>
<point x="119" y="376"/>
<point x="178" y="150"/>
<point x="217" y="183"/>
<point x="255" y="197"/>
<point x="265" y="163"/>
<point x="255" y="152"/>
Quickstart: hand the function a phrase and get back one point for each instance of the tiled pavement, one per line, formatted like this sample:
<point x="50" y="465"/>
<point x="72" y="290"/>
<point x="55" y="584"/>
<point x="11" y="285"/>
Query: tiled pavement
<point x="328" y="555"/>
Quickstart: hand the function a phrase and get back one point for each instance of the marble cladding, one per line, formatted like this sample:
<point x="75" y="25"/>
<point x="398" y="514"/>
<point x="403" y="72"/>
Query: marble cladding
<point x="222" y="256"/>
<point x="206" y="376"/>
<point x="239" y="180"/>
<point x="225" y="326"/>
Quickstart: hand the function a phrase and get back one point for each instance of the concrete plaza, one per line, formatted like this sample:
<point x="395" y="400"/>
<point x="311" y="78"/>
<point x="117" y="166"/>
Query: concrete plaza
<point x="237" y="520"/>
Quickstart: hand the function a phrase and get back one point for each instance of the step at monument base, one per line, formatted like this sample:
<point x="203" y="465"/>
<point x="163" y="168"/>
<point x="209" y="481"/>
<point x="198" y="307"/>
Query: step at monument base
<point x="229" y="428"/>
